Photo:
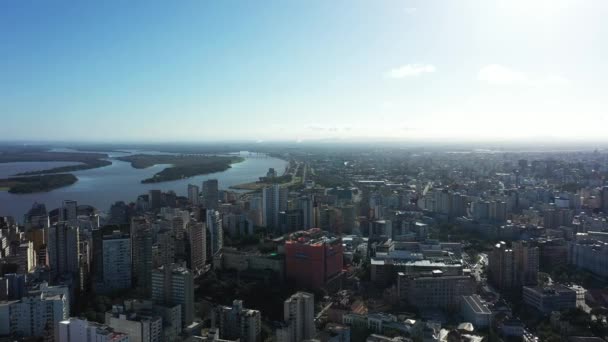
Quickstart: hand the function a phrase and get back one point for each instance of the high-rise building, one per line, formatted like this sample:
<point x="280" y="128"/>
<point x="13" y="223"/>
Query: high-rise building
<point x="215" y="233"/>
<point x="24" y="257"/>
<point x="173" y="285"/>
<point x="63" y="250"/>
<point x="80" y="330"/>
<point x="36" y="315"/>
<point x="193" y="194"/>
<point x="69" y="212"/>
<point x="604" y="199"/>
<point x="526" y="260"/>
<point x="37" y="217"/>
<point x="211" y="194"/>
<point x="197" y="237"/>
<point x="290" y="220"/>
<point x="12" y="286"/>
<point x="501" y="266"/>
<point x="238" y="224"/>
<point x="498" y="211"/>
<point x="163" y="251"/>
<point x="141" y="253"/>
<point x="299" y="317"/>
<point x="274" y="200"/>
<point x="512" y="268"/>
<point x="155" y="199"/>
<point x="235" y="322"/>
<point x="116" y="262"/>
<point x="349" y="219"/>
<point x="306" y="204"/>
<point x="313" y="258"/>
<point x="481" y="210"/>
<point x="119" y="213"/>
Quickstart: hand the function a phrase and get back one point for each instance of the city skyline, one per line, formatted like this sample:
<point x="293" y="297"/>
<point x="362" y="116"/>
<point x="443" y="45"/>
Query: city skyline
<point x="344" y="71"/>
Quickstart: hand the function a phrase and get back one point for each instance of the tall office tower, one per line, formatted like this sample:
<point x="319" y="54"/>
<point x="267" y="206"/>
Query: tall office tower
<point x="498" y="211"/>
<point x="215" y="232"/>
<point x="24" y="257"/>
<point x="116" y="275"/>
<point x="69" y="212"/>
<point x="501" y="267"/>
<point x="63" y="250"/>
<point x="235" y="322"/>
<point x="211" y="193"/>
<point x="119" y="213"/>
<point x="299" y="315"/>
<point x="526" y="260"/>
<point x="80" y="330"/>
<point x="15" y="286"/>
<point x="154" y="199"/>
<point x="37" y="217"/>
<point x="33" y="316"/>
<point x="141" y="253"/>
<point x="198" y="245"/>
<point x="481" y="210"/>
<point x="143" y="203"/>
<point x="459" y="205"/>
<point x="193" y="194"/>
<point x="306" y="204"/>
<point x="348" y="219"/>
<point x="274" y="200"/>
<point x="604" y="199"/>
<point x="173" y="285"/>
<point x="513" y="268"/>
<point x="290" y="221"/>
<point x="179" y="226"/>
<point x="237" y="224"/>
<point x="164" y="248"/>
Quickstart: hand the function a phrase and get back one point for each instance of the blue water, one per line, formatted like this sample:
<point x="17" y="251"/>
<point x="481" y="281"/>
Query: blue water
<point x="120" y="182"/>
<point x="11" y="169"/>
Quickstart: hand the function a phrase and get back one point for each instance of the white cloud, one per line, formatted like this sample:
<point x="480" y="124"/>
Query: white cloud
<point x="496" y="74"/>
<point x="410" y="70"/>
<point x="500" y="75"/>
<point x="410" y="10"/>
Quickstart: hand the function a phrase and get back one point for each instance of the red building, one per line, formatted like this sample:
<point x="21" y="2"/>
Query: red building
<point x="313" y="258"/>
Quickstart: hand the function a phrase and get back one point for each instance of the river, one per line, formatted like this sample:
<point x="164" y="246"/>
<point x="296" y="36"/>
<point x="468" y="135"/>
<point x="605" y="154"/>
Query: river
<point x="120" y="182"/>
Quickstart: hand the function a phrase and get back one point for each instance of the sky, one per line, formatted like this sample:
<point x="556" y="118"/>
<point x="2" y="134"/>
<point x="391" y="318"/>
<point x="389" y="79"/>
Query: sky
<point x="303" y="70"/>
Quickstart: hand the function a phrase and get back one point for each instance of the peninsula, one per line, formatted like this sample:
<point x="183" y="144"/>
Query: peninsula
<point x="41" y="183"/>
<point x="182" y="166"/>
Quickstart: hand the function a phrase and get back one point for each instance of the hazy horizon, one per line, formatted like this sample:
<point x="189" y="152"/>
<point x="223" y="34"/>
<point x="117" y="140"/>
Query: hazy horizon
<point x="504" y="71"/>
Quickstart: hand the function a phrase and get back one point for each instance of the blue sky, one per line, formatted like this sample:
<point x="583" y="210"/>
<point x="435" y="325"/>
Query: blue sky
<point x="303" y="70"/>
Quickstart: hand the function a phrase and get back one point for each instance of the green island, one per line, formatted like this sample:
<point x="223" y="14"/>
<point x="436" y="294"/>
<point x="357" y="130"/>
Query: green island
<point x="86" y="160"/>
<point x="182" y="166"/>
<point x="41" y="183"/>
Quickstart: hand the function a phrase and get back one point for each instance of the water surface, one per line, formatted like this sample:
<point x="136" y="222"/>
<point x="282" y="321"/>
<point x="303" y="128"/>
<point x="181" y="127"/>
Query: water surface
<point x="120" y="182"/>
